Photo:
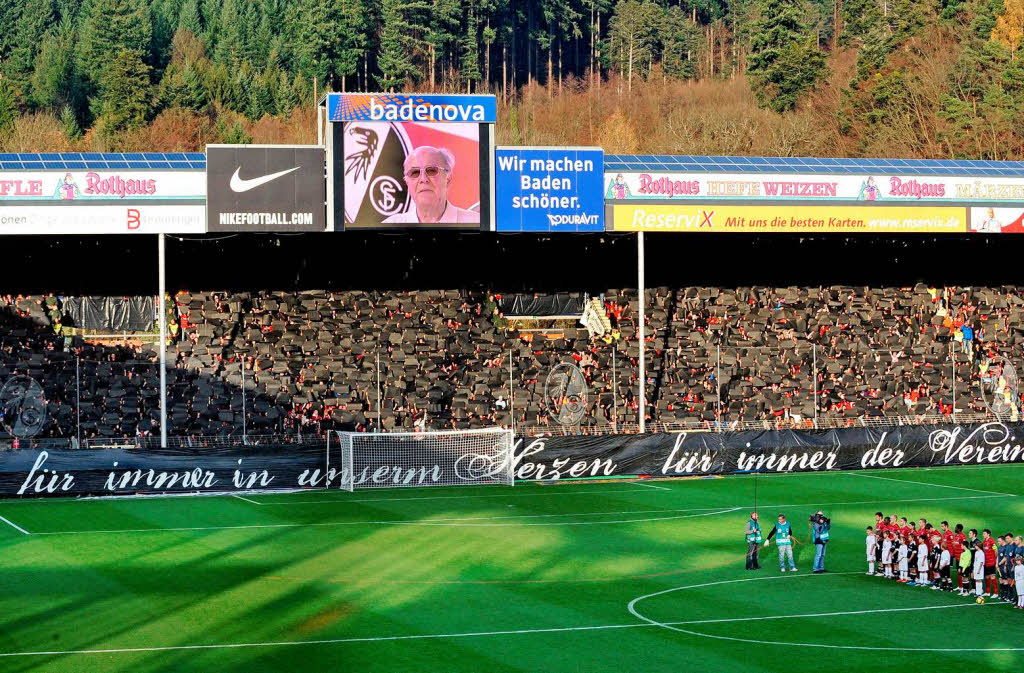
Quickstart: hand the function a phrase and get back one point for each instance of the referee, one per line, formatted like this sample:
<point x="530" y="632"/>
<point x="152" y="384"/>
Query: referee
<point x="754" y="538"/>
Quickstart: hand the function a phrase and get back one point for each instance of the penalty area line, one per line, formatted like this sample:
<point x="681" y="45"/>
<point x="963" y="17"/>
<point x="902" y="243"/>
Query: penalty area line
<point x="14" y="525"/>
<point x="927" y="483"/>
<point x="245" y="499"/>
<point x="660" y="488"/>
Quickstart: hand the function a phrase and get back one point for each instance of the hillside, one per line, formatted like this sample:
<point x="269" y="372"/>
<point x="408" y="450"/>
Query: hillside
<point x="910" y="78"/>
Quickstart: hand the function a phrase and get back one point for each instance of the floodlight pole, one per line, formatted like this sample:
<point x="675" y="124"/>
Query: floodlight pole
<point x="615" y="391"/>
<point x="241" y="365"/>
<point x="814" y="375"/>
<point x="953" y="364"/>
<point x="162" y="313"/>
<point x="511" y="393"/>
<point x="380" y="417"/>
<point x="718" y="387"/>
<point x="78" y="402"/>
<point x="643" y="349"/>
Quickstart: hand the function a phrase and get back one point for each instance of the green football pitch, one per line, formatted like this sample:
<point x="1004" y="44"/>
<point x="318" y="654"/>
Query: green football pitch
<point x="620" y="576"/>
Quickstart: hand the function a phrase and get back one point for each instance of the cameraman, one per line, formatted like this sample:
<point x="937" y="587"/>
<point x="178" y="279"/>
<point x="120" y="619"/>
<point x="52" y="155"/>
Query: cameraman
<point x="820" y="526"/>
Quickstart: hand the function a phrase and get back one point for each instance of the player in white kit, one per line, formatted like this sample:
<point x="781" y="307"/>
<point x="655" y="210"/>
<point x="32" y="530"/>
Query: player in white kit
<point x="902" y="554"/>
<point x="1018" y="578"/>
<point x="871" y="543"/>
<point x="922" y="563"/>
<point x="887" y="555"/>
<point x="979" y="568"/>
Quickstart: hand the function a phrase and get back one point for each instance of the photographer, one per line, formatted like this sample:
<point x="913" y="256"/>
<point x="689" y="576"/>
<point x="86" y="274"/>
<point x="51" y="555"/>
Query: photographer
<point x="820" y="526"/>
<point x="753" y="534"/>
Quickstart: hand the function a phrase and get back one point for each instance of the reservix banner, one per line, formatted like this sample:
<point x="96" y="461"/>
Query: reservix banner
<point x="124" y="471"/>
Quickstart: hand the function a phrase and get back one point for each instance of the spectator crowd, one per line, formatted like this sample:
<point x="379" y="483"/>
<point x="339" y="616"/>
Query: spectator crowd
<point x="308" y="361"/>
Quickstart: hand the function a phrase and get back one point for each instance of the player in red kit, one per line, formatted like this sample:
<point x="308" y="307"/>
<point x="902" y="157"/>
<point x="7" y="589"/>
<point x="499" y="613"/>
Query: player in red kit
<point x="988" y="546"/>
<point x="957" y="540"/>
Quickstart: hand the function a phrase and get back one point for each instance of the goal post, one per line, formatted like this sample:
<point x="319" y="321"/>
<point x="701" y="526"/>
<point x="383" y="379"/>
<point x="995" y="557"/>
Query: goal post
<point x="441" y="458"/>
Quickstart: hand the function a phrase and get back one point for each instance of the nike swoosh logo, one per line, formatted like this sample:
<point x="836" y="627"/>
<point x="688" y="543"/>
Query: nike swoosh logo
<point x="237" y="184"/>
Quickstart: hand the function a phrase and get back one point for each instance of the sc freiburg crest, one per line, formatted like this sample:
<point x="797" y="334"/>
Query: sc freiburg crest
<point x="374" y="154"/>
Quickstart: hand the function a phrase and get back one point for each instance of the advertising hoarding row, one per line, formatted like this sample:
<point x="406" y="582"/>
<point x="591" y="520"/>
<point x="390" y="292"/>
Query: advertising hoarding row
<point x="823" y="187"/>
<point x="803" y="219"/>
<point x="407" y="161"/>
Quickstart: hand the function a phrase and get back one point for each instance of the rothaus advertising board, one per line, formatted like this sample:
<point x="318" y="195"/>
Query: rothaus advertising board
<point x="131" y="201"/>
<point x="29" y="472"/>
<point x="401" y="161"/>
<point x="265" y="188"/>
<point x="549" y="189"/>
<point x="822" y="187"/>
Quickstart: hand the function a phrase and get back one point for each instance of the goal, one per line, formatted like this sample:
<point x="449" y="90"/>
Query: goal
<point x="444" y="458"/>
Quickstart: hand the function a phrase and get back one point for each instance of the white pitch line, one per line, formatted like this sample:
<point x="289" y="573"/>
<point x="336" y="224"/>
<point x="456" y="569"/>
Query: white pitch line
<point x="723" y="509"/>
<point x="660" y="488"/>
<point x="435" y="522"/>
<point x="233" y="495"/>
<point x="873" y="502"/>
<point x="14" y="525"/>
<point x="471" y="634"/>
<point x="326" y="641"/>
<point x="926" y="483"/>
<point x="674" y="626"/>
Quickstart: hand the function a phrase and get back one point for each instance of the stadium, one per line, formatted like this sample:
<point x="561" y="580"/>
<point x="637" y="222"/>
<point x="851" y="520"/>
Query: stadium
<point x="406" y="400"/>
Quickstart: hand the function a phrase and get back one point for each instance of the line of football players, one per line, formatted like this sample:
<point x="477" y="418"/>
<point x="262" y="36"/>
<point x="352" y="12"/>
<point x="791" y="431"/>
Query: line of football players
<point x="947" y="559"/>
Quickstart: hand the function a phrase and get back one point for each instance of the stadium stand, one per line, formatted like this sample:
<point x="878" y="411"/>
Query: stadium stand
<point x="307" y="361"/>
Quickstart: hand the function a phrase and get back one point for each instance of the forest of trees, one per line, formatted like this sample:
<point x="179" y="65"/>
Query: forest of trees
<point x="918" y="77"/>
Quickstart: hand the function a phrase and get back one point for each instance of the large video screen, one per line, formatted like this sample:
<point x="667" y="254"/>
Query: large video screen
<point x="403" y="174"/>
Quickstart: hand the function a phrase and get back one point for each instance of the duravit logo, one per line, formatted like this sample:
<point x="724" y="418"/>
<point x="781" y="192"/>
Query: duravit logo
<point x="409" y="111"/>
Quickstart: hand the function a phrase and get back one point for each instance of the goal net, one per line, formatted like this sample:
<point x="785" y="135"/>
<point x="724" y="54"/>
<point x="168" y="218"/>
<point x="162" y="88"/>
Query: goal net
<point x="445" y="458"/>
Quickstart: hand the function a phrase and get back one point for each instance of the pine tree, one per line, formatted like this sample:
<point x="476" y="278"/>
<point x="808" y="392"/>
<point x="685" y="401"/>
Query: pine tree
<point x="680" y="42"/>
<point x="633" y="34"/>
<point x="10" y="14"/>
<point x="233" y="135"/>
<point x="8" y="110"/>
<point x="69" y="124"/>
<point x="110" y="27"/>
<point x="53" y="83"/>
<point x="190" y="18"/>
<point x="402" y="25"/>
<point x="785" y="62"/>
<point x="351" y="47"/>
<point x="230" y="41"/>
<point x="123" y="96"/>
<point x="285" y="97"/>
<point x="441" y="37"/>
<point x="315" y="35"/>
<point x="470" y="44"/>
<point x="36" y="18"/>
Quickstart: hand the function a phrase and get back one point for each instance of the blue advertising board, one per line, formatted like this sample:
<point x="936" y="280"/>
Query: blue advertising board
<point x="398" y="107"/>
<point x="549" y="189"/>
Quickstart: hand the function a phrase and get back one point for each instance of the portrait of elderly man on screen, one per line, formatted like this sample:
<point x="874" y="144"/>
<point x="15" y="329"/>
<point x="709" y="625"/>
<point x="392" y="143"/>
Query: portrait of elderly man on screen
<point x="428" y="173"/>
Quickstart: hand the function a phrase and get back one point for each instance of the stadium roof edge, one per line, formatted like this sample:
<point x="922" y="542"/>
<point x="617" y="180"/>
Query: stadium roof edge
<point x="683" y="163"/>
